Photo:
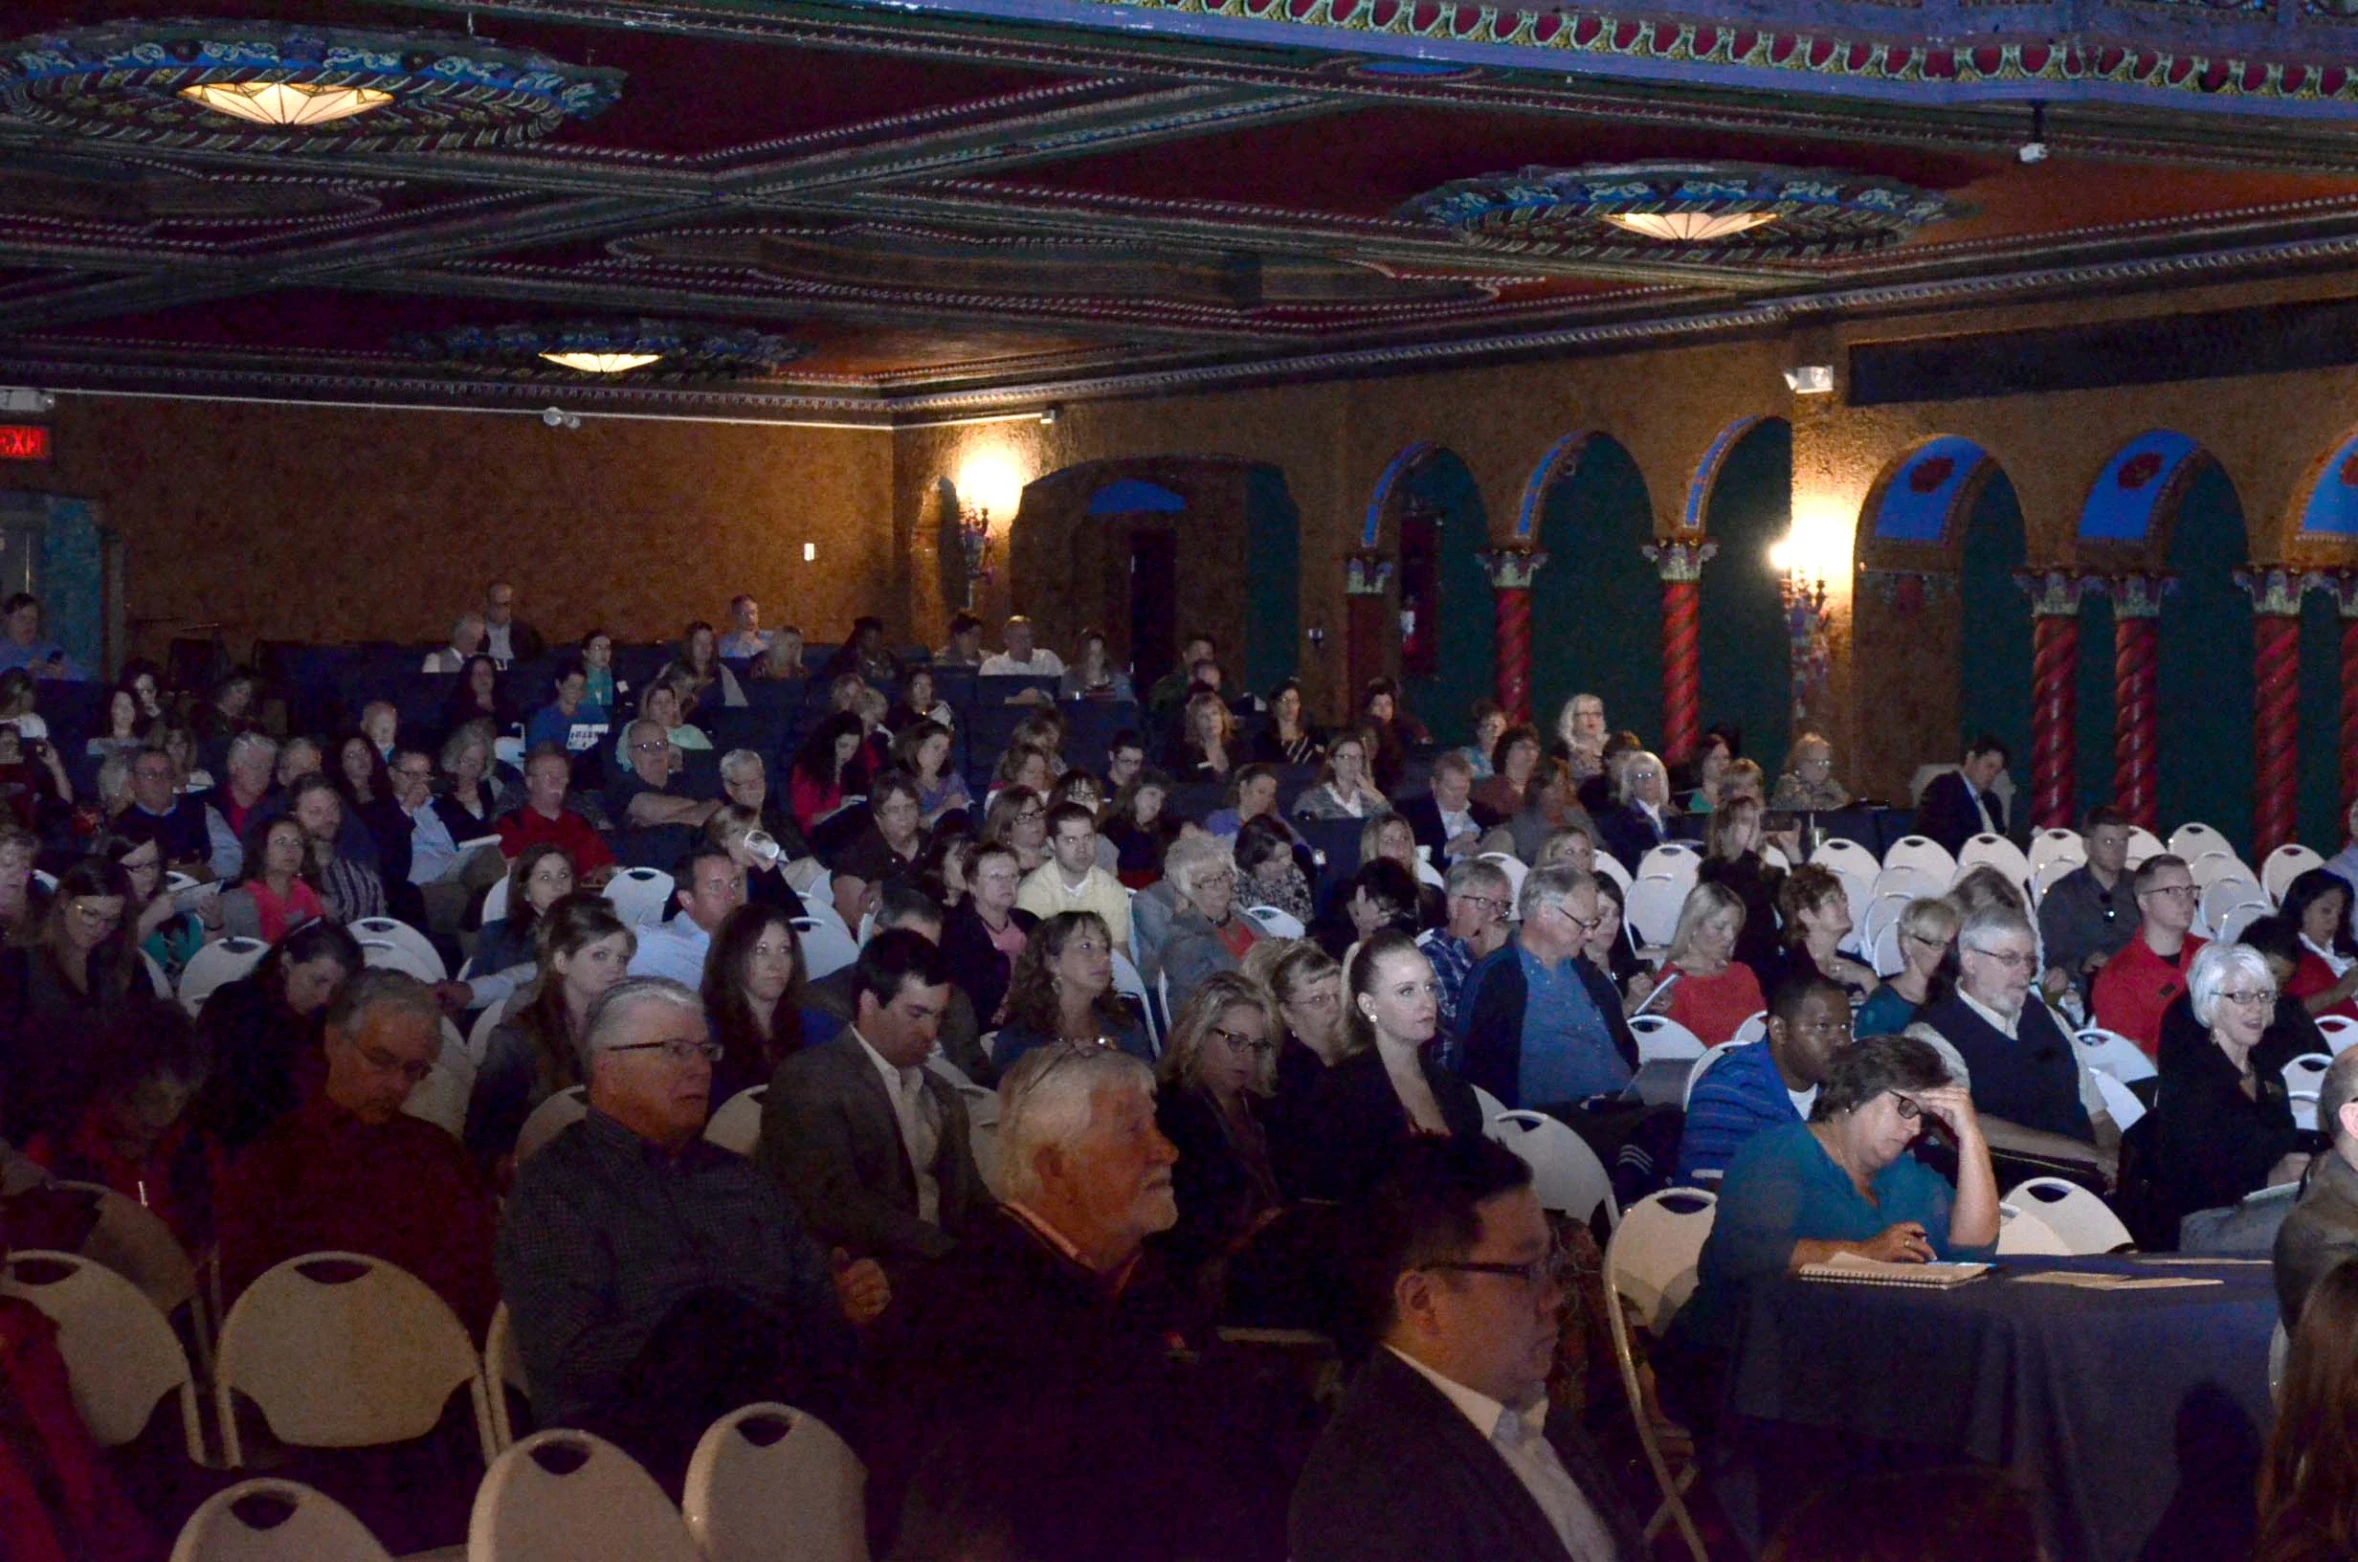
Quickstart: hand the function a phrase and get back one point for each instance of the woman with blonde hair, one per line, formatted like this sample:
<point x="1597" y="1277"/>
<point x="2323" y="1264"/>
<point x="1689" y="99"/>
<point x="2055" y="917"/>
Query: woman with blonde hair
<point x="1205" y="746"/>
<point x="1703" y="985"/>
<point x="1927" y="931"/>
<point x="1217" y="1074"/>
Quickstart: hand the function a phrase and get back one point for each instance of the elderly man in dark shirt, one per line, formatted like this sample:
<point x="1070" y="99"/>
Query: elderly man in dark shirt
<point x="657" y="1282"/>
<point x="2089" y="913"/>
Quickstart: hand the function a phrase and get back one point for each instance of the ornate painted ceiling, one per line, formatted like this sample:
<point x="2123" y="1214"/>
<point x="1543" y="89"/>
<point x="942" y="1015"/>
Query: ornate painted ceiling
<point x="872" y="212"/>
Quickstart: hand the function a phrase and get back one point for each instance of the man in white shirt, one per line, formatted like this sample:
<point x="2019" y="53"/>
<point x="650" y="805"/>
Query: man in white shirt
<point x="1457" y="1389"/>
<point x="1070" y="879"/>
<point x="466" y="638"/>
<point x="746" y="638"/>
<point x="1022" y="659"/>
<point x="711" y="885"/>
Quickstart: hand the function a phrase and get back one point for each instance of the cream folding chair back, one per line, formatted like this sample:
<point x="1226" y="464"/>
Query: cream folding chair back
<point x="567" y="1496"/>
<point x="2063" y="846"/>
<point x="341" y="1350"/>
<point x="2191" y="839"/>
<point x="1275" y="923"/>
<point x="1565" y="1172"/>
<point x="1660" y="1038"/>
<point x="495" y="902"/>
<point x="1910" y="879"/>
<point x="1649" y="1273"/>
<point x="1848" y="858"/>
<point x="2285" y="864"/>
<point x="639" y="895"/>
<point x="1712" y="1059"/>
<point x="408" y="939"/>
<point x="217" y="965"/>
<point x="1997" y="851"/>
<point x="2120" y="1102"/>
<point x="1491" y="1107"/>
<point x="551" y="1118"/>
<point x="827" y="946"/>
<point x="268" y="1520"/>
<point x="2306" y="1072"/>
<point x="1654" y="904"/>
<point x="503" y="1369"/>
<point x="1918" y="851"/>
<point x="120" y="1353"/>
<point x="479" y="1034"/>
<point x="1608" y="866"/>
<point x="133" y="1241"/>
<point x="2023" y="1235"/>
<point x="769" y="1483"/>
<point x="2114" y="1054"/>
<point x="441" y="1097"/>
<point x="736" y="1125"/>
<point x="2143" y="843"/>
<point x="2082" y="1220"/>
<point x="1672" y="860"/>
<point x="2339" y="1029"/>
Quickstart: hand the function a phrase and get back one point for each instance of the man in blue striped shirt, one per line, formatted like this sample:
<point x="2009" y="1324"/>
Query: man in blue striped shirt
<point x="1767" y="1084"/>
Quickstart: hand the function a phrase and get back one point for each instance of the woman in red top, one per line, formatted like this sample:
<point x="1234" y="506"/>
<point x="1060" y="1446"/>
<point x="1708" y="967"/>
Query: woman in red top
<point x="137" y="1136"/>
<point x="1702" y="986"/>
<point x="826" y="769"/>
<point x="273" y="896"/>
<point x="2326" y="980"/>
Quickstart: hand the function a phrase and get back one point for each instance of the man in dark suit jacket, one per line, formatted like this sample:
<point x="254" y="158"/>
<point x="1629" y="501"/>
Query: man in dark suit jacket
<point x="873" y="1146"/>
<point x="1960" y="805"/>
<point x="1449" y="822"/>
<point x="1455" y="1389"/>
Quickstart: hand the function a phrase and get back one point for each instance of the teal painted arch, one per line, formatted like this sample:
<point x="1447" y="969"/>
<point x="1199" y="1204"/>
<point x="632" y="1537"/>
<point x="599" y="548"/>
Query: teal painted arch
<point x="1441" y="486"/>
<point x="1741" y="497"/>
<point x="1596" y="608"/>
<point x="1696" y="515"/>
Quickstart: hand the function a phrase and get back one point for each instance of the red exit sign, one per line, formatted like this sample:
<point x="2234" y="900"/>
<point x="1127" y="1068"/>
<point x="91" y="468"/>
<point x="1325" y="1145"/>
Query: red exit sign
<point x="24" y="442"/>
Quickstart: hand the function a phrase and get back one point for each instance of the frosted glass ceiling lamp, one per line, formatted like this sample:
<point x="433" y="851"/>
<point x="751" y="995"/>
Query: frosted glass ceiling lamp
<point x="286" y="102"/>
<point x="1689" y="227"/>
<point x="603" y="363"/>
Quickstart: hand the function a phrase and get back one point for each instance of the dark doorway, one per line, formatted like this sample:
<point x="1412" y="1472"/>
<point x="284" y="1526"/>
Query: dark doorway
<point x="1154" y="589"/>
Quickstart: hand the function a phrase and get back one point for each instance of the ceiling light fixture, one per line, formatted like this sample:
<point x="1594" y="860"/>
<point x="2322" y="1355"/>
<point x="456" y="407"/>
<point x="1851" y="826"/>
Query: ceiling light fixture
<point x="603" y="363"/>
<point x="1676" y="227"/>
<point x="286" y="102"/>
<point x="652" y="349"/>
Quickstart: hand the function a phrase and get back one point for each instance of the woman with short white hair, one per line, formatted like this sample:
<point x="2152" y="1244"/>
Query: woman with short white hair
<point x="2224" y="1126"/>
<point x="1206" y="933"/>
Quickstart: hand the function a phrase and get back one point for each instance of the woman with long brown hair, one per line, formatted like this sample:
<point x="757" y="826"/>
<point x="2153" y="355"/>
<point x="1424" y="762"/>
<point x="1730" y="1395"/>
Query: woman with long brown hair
<point x="583" y="948"/>
<point x="754" y="998"/>
<point x="2309" y="1480"/>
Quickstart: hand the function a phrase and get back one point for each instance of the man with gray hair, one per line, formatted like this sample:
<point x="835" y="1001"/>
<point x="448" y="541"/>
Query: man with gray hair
<point x="1479" y="898"/>
<point x="466" y="638"/>
<point x="1541" y="1024"/>
<point x="348" y="1172"/>
<point x="2322" y="1229"/>
<point x="657" y="1281"/>
<point x="250" y="773"/>
<point x="2039" y="1105"/>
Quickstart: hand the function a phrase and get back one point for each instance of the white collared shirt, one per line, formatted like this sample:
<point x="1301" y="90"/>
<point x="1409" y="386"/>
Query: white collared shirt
<point x="1520" y="1438"/>
<point x="921" y="1133"/>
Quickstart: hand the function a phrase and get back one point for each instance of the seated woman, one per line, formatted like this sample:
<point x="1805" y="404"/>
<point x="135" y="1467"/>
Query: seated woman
<point x="1640" y="817"/>
<point x="1703" y="985"/>
<point x="888" y="848"/>
<point x="1206" y="933"/>
<point x="139" y="1134"/>
<point x="1612" y="948"/>
<point x="1267" y="873"/>
<point x="165" y="934"/>
<point x="922" y="749"/>
<point x="505" y="950"/>
<point x="536" y="1050"/>
<point x="1390" y="1087"/>
<point x="480" y="696"/>
<point x="263" y="1031"/>
<point x="1018" y="820"/>
<point x="1217" y="1075"/>
<point x="754" y="998"/>
<point x="2224" y="1127"/>
<point x="1092" y="674"/>
<point x="783" y="659"/>
<point x="1204" y="748"/>
<point x="1713" y="755"/>
<point x="1514" y="767"/>
<point x="606" y="691"/>
<point x="473" y="796"/>
<point x="1490" y="724"/>
<point x="1731" y="857"/>
<point x="985" y="932"/>
<point x="1287" y="739"/>
<point x="1138" y="829"/>
<point x="1062" y="990"/>
<point x="1343" y="790"/>
<point x="1394" y="732"/>
<point x="919" y="702"/>
<point x="702" y="678"/>
<point x="1816" y="910"/>
<point x="1843" y="1182"/>
<point x="23" y="902"/>
<point x="1927" y="930"/>
<point x="826" y="770"/>
<point x="273" y="892"/>
<point x="121" y="728"/>
<point x="1382" y="894"/>
<point x="1031" y="766"/>
<point x="2318" y="903"/>
<point x="1252" y="794"/>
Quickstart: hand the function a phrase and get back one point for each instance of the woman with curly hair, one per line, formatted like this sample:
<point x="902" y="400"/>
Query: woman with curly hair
<point x="1062" y="990"/>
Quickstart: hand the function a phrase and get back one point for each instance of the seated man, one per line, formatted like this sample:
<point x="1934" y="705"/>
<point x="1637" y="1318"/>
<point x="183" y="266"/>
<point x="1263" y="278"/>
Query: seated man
<point x="1022" y="658"/>
<point x="466" y="639"/>
<point x="1478" y="897"/>
<point x="965" y="647"/>
<point x="506" y="638"/>
<point x="1767" y="1084"/>
<point x="1959" y="804"/>
<point x="710" y="886"/>
<point x="656" y="1281"/>
<point x="746" y="638"/>
<point x="1450" y="822"/>
<point x="236" y="804"/>
<point x="641" y="797"/>
<point x="1542" y="1025"/>
<point x="22" y="644"/>
<point x="1171" y="690"/>
<point x="873" y="1146"/>
<point x="745" y="781"/>
<point x="1071" y="880"/>
<point x="348" y="888"/>
<point x="444" y="877"/>
<point x="2136" y="986"/>
<point x="2039" y="1107"/>
<point x="544" y="819"/>
<point x="1444" y="1446"/>
<point x="181" y="831"/>
<point x="865" y="655"/>
<point x="2088" y="914"/>
<point x="569" y="721"/>
<point x="903" y="904"/>
<point x="1810" y="785"/>
<point x="2322" y="1229"/>
<point x="348" y="1172"/>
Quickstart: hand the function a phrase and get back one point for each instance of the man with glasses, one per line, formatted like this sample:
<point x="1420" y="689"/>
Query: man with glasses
<point x="873" y="1146"/>
<point x="1478" y="897"/>
<point x="1071" y="880"/>
<point x="641" y="797"/>
<point x="1456" y="1391"/>
<point x="710" y="885"/>
<point x="348" y="1172"/>
<point x="2089" y="914"/>
<point x="657" y="1281"/>
<point x="179" y="820"/>
<point x="1542" y="1026"/>
<point x="2137" y="985"/>
<point x="443" y="878"/>
<point x="2038" y="1102"/>
<point x="1765" y="1085"/>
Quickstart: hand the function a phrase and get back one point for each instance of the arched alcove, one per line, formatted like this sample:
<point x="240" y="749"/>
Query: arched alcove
<point x="1596" y="611"/>
<point x="1448" y="620"/>
<point x="2325" y="530"/>
<point x="1743" y="494"/>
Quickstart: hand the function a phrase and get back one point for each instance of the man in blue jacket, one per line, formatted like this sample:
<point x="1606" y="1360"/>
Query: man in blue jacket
<point x="1542" y="1025"/>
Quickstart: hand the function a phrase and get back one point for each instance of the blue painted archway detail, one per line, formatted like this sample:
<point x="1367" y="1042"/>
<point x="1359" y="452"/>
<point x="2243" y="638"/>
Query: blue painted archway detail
<point x="1699" y="491"/>
<point x="2135" y="485"/>
<point x="1923" y="496"/>
<point x="2332" y="508"/>
<point x="1402" y="464"/>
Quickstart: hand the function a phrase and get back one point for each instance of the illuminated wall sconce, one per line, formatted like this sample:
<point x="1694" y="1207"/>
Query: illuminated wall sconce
<point x="1801" y="590"/>
<point x="1810" y="379"/>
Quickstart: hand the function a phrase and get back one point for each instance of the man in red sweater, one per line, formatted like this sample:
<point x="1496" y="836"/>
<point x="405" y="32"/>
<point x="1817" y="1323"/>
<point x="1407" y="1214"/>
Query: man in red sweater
<point x="348" y="1172"/>
<point x="2137" y="984"/>
<point x="544" y="817"/>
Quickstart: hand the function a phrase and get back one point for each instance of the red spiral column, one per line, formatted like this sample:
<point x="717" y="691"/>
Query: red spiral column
<point x="2136" y="726"/>
<point x="1511" y="570"/>
<point x="2276" y="704"/>
<point x="2342" y="586"/>
<point x="1681" y="567"/>
<point x="1367" y="584"/>
<point x="2055" y="657"/>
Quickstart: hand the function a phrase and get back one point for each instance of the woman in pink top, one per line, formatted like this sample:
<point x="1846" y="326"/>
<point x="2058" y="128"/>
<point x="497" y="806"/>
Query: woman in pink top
<point x="273" y="897"/>
<point x="1703" y="986"/>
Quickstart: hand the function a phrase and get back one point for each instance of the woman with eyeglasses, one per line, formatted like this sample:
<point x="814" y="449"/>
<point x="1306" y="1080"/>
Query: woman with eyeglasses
<point x="275" y="889"/>
<point x="1217" y="1075"/>
<point x="1612" y="948"/>
<point x="1207" y="934"/>
<point x="1703" y="985"/>
<point x="985" y="932"/>
<point x="164" y="933"/>
<point x="1927" y="932"/>
<point x="1018" y="820"/>
<point x="1343" y="790"/>
<point x="1062" y="990"/>
<point x="2224" y="1126"/>
<point x="73" y="980"/>
<point x="1640" y="819"/>
<point x="582" y="949"/>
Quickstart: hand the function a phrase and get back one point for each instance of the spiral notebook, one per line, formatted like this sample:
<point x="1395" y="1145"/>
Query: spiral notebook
<point x="1850" y="1268"/>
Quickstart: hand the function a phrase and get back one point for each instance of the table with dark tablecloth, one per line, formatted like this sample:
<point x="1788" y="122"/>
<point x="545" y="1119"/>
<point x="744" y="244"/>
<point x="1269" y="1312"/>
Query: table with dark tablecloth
<point x="2131" y="1416"/>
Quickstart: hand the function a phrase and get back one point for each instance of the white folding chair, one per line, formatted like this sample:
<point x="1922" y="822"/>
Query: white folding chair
<point x="2082" y="1220"/>
<point x="382" y="954"/>
<point x="2120" y="1102"/>
<point x="2279" y="1351"/>
<point x="121" y="1355"/>
<point x="769" y="1483"/>
<point x="1515" y="869"/>
<point x="315" y="1527"/>
<point x="2023" y="1235"/>
<point x="549" y="1119"/>
<point x="2044" y="876"/>
<point x="736" y="1125"/>
<point x="392" y="930"/>
<point x="133" y="1241"/>
<point x="495" y="903"/>
<point x="982" y="1134"/>
<point x="217" y="965"/>
<point x="1754" y="1028"/>
<point x="1712" y="1058"/>
<point x="2285" y="864"/>
<point x="1917" y="851"/>
<point x="1661" y="1038"/>
<point x="341" y="1350"/>
<point x="1882" y="912"/>
<point x="1132" y="986"/>
<point x="1276" y="923"/>
<point x="1677" y="858"/>
<point x="2304" y="1109"/>
<point x="441" y="1097"/>
<point x="2222" y="895"/>
<point x="2340" y="1030"/>
<point x="1565" y="1172"/>
<point x="503" y="1369"/>
<point x="1491" y="1107"/>
<point x="1858" y="892"/>
<point x="1609" y="866"/>
<point x="1886" y="956"/>
<point x="639" y="895"/>
<point x="479" y="1034"/>
<point x="2056" y="846"/>
<point x="1846" y="856"/>
<point x="2229" y="928"/>
<point x="157" y="981"/>
<point x="567" y="1496"/>
<point x="2114" y="1054"/>
<point x="1654" y="905"/>
<point x="2306" y="1073"/>
<point x="1774" y="856"/>
<point x="1910" y="881"/>
<point x="2143" y="843"/>
<point x="1999" y="853"/>
<point x="2213" y="866"/>
<point x="1649" y="1274"/>
<point x="827" y="946"/>
<point x="2191" y="839"/>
